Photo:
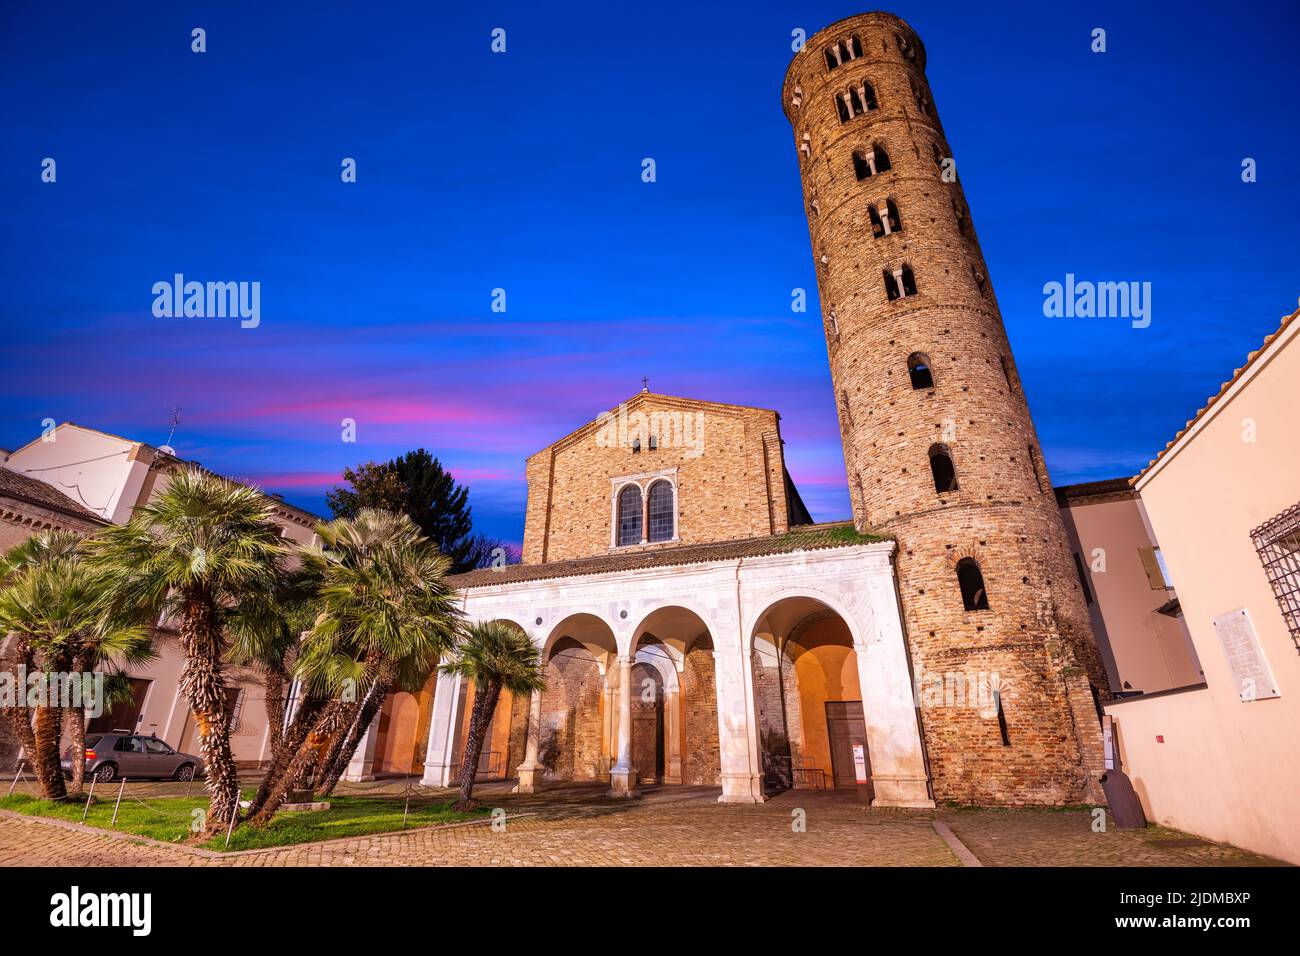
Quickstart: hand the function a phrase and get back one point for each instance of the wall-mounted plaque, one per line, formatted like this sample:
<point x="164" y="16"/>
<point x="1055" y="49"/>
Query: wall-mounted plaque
<point x="1250" y="669"/>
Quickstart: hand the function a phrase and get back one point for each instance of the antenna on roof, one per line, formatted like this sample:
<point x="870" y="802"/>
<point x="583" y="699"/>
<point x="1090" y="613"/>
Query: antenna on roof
<point x="167" y="449"/>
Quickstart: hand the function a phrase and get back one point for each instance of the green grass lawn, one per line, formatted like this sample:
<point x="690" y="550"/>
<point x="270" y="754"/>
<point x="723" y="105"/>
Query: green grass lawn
<point x="169" y="818"/>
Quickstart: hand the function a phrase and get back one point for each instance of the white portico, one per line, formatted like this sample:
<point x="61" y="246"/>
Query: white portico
<point x="706" y="664"/>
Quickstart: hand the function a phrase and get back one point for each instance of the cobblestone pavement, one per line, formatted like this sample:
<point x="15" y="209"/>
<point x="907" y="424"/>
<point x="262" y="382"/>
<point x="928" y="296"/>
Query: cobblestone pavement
<point x="669" y="826"/>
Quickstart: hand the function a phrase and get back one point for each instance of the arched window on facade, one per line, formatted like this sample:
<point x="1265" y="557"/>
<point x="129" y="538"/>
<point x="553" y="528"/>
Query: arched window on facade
<point x="941" y="467"/>
<point x="971" y="581"/>
<point x="918" y="367"/>
<point x="661" y="511"/>
<point x="629" y="515"/>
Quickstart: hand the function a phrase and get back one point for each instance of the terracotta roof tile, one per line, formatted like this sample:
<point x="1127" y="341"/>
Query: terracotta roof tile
<point x="839" y="534"/>
<point x="16" y="485"/>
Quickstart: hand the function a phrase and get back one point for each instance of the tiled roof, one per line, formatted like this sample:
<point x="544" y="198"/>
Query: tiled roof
<point x="838" y="534"/>
<point x="34" y="491"/>
<point x="1201" y="412"/>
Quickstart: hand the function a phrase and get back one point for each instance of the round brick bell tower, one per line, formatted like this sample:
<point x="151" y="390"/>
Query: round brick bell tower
<point x="939" y="445"/>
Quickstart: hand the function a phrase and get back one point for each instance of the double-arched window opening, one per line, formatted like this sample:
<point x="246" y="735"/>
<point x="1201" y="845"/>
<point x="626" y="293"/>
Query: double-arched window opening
<point x="646" y="518"/>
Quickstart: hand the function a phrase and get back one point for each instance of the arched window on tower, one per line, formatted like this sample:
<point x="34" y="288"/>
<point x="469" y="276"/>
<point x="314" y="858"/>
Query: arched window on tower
<point x="962" y="216"/>
<point x="941" y="468"/>
<point x="837" y="54"/>
<point x="629" y="515"/>
<point x="918" y="368"/>
<point x="894" y="221"/>
<point x="887" y="224"/>
<point x="662" y="512"/>
<point x="971" y="581"/>
<point x="904" y="47"/>
<point x="900" y="282"/>
<point x="981" y="281"/>
<point x="855" y="101"/>
<point x="922" y="98"/>
<point x="870" y="162"/>
<point x="1006" y="372"/>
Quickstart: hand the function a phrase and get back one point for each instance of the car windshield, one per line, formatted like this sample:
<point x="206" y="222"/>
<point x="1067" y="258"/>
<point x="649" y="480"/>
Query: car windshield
<point x="92" y="740"/>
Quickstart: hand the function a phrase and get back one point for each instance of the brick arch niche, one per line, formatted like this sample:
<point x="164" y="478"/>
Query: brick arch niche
<point x="807" y="696"/>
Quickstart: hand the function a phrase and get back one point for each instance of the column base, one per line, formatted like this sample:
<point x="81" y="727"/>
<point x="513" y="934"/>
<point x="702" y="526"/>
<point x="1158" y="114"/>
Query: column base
<point x="622" y="783"/>
<point x="358" y="777"/>
<point x="901" y="792"/>
<point x="435" y="776"/>
<point x="530" y="779"/>
<point x="742" y="788"/>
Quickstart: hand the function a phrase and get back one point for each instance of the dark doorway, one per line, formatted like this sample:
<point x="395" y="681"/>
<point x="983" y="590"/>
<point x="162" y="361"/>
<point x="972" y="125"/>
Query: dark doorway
<point x="122" y="716"/>
<point x="846" y="728"/>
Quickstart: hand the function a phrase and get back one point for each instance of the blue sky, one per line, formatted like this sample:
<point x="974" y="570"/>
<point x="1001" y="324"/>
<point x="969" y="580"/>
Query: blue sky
<point x="522" y="171"/>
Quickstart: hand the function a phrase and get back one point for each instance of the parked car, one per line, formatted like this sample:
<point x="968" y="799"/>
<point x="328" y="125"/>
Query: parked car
<point x="134" y="756"/>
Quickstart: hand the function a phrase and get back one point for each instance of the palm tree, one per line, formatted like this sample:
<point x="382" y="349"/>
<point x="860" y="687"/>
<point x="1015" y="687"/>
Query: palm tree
<point x="194" y="554"/>
<point x="496" y="656"/>
<point x="55" y="601"/>
<point x="266" y="635"/>
<point x="385" y="614"/>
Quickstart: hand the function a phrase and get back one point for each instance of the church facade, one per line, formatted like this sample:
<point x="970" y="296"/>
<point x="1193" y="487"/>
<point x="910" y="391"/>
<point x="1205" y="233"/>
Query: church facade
<point x="698" y="628"/>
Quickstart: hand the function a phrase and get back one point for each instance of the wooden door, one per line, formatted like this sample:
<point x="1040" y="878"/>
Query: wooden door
<point x="846" y="727"/>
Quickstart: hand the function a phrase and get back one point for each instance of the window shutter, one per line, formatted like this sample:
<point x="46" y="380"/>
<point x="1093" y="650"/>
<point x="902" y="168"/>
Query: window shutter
<point x="1152" y="568"/>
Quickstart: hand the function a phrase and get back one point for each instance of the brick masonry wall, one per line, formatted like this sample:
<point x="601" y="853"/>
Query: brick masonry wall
<point x="517" y="747"/>
<point x="730" y="486"/>
<point x="1003" y="514"/>
<point x="701" y="757"/>
<point x="569" y="742"/>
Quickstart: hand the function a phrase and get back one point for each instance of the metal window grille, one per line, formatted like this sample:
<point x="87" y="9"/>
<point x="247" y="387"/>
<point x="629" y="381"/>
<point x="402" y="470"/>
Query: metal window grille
<point x="1278" y="543"/>
<point x="661" y="511"/>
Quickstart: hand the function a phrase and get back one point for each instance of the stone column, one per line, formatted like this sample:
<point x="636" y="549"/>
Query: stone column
<point x="898" y="772"/>
<point x="673" y="736"/>
<point x="738" y="738"/>
<point x="442" y="732"/>
<point x="530" y="771"/>
<point x="622" y="779"/>
<point x="362" y="765"/>
<point x="607" y="722"/>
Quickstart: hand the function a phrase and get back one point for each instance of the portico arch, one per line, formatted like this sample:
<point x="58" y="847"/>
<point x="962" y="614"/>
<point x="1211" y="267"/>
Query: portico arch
<point x="677" y="641"/>
<point x="572" y="738"/>
<point x="808" y="700"/>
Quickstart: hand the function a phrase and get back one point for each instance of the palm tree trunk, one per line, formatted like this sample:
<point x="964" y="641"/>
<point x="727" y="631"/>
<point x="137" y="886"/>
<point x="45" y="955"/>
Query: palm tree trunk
<point x="77" y="734"/>
<point x="77" y="730"/>
<point x="205" y="689"/>
<point x="20" y="716"/>
<point x="294" y="737"/>
<point x="485" y="703"/>
<point x="45" y="753"/>
<point x="331" y="719"/>
<point x="276" y="683"/>
<point x="346" y="745"/>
